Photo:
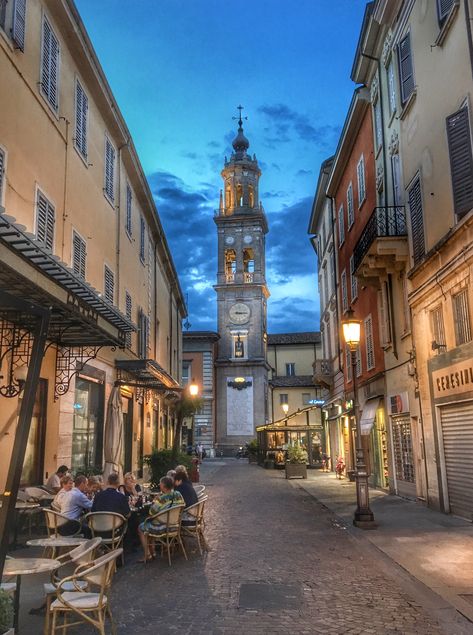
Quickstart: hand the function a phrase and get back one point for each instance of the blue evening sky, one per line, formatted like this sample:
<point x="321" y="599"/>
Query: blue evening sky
<point x="178" y="69"/>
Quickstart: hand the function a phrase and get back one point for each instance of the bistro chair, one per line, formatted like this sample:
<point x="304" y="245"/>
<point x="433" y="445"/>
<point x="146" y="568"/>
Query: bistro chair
<point x="55" y="520"/>
<point x="167" y="532"/>
<point x="90" y="607"/>
<point x="109" y="526"/>
<point x="27" y="514"/>
<point x="193" y="523"/>
<point x="82" y="554"/>
<point x="38" y="495"/>
<point x="199" y="490"/>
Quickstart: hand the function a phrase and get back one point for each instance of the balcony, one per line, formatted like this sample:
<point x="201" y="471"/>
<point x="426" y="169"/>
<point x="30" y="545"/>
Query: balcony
<point x="323" y="372"/>
<point x="382" y="246"/>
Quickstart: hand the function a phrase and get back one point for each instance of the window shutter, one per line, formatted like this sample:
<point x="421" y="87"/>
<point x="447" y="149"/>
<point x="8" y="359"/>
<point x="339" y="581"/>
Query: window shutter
<point x="2" y="174"/>
<point x="350" y="212"/>
<point x="417" y="221"/>
<point x="128" y="311"/>
<point x="129" y="197"/>
<point x="360" y="171"/>
<point x="443" y="8"/>
<point x="348" y="363"/>
<point x="370" y="359"/>
<point x="78" y="255"/>
<point x="406" y="70"/>
<point x="353" y="279"/>
<point x="344" y="291"/>
<point x="19" y="23"/>
<point x="384" y="318"/>
<point x="392" y="89"/>
<point x="142" y="239"/>
<point x="341" y="225"/>
<point x="461" y="318"/>
<point x="82" y="106"/>
<point x="50" y="65"/>
<point x="109" y="169"/>
<point x="109" y="286"/>
<point x="461" y="160"/>
<point x="45" y="219"/>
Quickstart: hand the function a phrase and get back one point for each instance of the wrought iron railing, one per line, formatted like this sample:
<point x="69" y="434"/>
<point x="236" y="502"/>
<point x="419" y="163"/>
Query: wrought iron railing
<point x="383" y="222"/>
<point x="248" y="277"/>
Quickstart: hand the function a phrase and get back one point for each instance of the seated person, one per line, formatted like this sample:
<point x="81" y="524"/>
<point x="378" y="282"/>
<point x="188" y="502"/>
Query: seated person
<point x="168" y="498"/>
<point x="110" y="499"/>
<point x="95" y="485"/>
<point x="130" y="487"/>
<point x="67" y="483"/>
<point x="53" y="484"/>
<point x="183" y="485"/>
<point x="74" y="504"/>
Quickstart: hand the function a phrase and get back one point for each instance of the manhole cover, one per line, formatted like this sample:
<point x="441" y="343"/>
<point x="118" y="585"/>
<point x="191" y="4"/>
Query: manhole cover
<point x="265" y="597"/>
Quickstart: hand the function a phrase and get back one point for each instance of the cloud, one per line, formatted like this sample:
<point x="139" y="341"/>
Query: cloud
<point x="273" y="194"/>
<point x="284" y="122"/>
<point x="303" y="172"/>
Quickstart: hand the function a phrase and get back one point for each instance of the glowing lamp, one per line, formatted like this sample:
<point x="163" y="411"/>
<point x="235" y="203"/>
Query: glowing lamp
<point x="351" y="330"/>
<point x="285" y="407"/>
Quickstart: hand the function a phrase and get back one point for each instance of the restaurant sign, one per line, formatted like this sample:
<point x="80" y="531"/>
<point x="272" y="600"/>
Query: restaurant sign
<point x="453" y="380"/>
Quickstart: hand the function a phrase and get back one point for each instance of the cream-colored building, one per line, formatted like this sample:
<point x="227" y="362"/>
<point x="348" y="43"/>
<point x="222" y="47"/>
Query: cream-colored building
<point x="434" y="41"/>
<point x="91" y="245"/>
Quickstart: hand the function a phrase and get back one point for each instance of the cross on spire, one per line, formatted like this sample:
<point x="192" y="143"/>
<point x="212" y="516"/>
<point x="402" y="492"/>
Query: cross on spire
<point x="240" y="118"/>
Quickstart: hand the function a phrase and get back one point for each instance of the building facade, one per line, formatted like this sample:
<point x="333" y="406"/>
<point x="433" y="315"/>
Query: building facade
<point x="241" y="366"/>
<point x="71" y="183"/>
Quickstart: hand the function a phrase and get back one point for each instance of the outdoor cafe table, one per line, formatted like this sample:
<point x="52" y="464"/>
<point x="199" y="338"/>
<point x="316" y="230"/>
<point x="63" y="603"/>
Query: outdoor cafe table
<point x="57" y="541"/>
<point x="20" y="506"/>
<point x="26" y="566"/>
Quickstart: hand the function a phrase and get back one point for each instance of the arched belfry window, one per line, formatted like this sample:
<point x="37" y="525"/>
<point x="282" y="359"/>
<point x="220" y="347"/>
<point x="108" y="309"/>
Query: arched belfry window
<point x="230" y="264"/>
<point x="248" y="264"/>
<point x="251" y="196"/>
<point x="228" y="197"/>
<point x="239" y="195"/>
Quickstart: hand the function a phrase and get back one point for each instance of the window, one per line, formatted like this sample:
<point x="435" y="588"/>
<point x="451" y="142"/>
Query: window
<point x="384" y="315"/>
<point x="45" y="219"/>
<point x="109" y="284"/>
<point x="360" y="173"/>
<point x="142" y="239"/>
<point x="325" y="279"/>
<point x="129" y="198"/>
<point x="3" y="162"/>
<point x="461" y="160"/>
<point x="128" y="313"/>
<point x="50" y="65"/>
<point x="443" y="9"/>
<point x="350" y="209"/>
<point x="186" y="371"/>
<point x="82" y="106"/>
<point x="290" y="369"/>
<point x="78" y="254"/>
<point x="406" y="70"/>
<point x="402" y="446"/>
<point x="143" y="334"/>
<point x="391" y="88"/>
<point x="239" y="346"/>
<point x="405" y="305"/>
<point x="438" y="328"/>
<point x="353" y="279"/>
<point x="305" y="398"/>
<point x="109" y="185"/>
<point x="378" y="126"/>
<point x="461" y="317"/>
<point x="283" y="398"/>
<point x="370" y="359"/>
<point x="344" y="291"/>
<point x="341" y="226"/>
<point x="396" y="170"/>
<point x="417" y="220"/>
<point x="13" y="20"/>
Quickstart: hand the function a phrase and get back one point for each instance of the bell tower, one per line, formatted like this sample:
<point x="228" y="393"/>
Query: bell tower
<point x="241" y="366"/>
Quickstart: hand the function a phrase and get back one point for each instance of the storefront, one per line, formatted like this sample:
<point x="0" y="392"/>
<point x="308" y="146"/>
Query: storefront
<point x="452" y="391"/>
<point x="88" y="421"/>
<point x="375" y="441"/>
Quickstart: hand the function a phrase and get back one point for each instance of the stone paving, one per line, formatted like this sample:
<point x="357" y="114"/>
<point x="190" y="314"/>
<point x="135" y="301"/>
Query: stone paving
<point x="279" y="562"/>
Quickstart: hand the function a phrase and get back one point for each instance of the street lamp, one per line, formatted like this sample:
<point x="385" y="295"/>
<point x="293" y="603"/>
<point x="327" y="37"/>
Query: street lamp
<point x="285" y="408"/>
<point x="364" y="517"/>
<point x="193" y="389"/>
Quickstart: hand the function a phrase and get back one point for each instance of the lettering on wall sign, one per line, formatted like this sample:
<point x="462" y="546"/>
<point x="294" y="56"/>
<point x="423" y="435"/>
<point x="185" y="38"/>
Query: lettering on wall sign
<point x="453" y="380"/>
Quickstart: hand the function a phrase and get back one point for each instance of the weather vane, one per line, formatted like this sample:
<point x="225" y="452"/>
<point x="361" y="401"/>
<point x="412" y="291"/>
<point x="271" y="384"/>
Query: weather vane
<point x="240" y="118"/>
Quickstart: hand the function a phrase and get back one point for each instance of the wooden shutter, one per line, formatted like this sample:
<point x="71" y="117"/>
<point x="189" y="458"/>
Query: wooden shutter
<point x="417" y="221"/>
<point x="406" y="70"/>
<point x="341" y="225"/>
<point x="360" y="171"/>
<point x="2" y="174"/>
<point x="344" y="291"/>
<point x="109" y="285"/>
<point x="50" y="65"/>
<point x="142" y="239"/>
<point x="109" y="169"/>
<point x="78" y="255"/>
<point x="82" y="106"/>
<point x="443" y="9"/>
<point x="128" y="311"/>
<point x="350" y="211"/>
<point x="45" y="219"/>
<point x="461" y="160"/>
<point x="370" y="359"/>
<point x="384" y="315"/>
<point x="19" y="24"/>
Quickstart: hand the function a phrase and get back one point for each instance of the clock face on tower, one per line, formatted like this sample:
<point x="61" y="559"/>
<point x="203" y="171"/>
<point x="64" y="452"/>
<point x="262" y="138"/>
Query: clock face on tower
<point x="239" y="313"/>
<point x="229" y="240"/>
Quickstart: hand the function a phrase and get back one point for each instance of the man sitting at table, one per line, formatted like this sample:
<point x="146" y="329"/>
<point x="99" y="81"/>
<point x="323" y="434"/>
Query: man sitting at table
<point x="67" y="483"/>
<point x="74" y="504"/>
<point x="53" y="484"/>
<point x="110" y="499"/>
<point x="168" y="498"/>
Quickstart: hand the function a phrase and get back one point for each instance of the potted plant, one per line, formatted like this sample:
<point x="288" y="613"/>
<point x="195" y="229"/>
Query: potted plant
<point x="253" y="451"/>
<point x="6" y="613"/>
<point x="296" y="462"/>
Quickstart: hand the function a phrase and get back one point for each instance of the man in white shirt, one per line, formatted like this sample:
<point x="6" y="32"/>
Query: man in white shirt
<point x="53" y="484"/>
<point x="67" y="483"/>
<point x="74" y="504"/>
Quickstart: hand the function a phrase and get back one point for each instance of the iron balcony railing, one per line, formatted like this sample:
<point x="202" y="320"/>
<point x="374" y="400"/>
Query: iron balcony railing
<point x="383" y="222"/>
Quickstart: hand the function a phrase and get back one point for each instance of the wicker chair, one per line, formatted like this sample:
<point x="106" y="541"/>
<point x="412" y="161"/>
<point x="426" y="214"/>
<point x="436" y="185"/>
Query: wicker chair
<point x="109" y="526"/>
<point x="55" y="520"/>
<point x="199" y="490"/>
<point x="168" y="531"/>
<point x="90" y="607"/>
<point x="193" y="523"/>
<point x="82" y="554"/>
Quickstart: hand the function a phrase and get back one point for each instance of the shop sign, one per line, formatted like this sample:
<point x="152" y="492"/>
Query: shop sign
<point x="398" y="403"/>
<point x="453" y="380"/>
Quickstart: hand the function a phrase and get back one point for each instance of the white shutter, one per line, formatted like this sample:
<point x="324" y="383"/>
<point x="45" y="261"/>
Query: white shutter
<point x="384" y="317"/>
<point x="341" y="225"/>
<point x="392" y="89"/>
<point x="19" y="23"/>
<point x="360" y="172"/>
<point x="142" y="239"/>
<point x="129" y="198"/>
<point x="50" y="65"/>
<point x="350" y="210"/>
<point x="109" y="169"/>
<point x="45" y="219"/>
<point x="370" y="359"/>
<point x="82" y="106"/>
<point x="2" y="174"/>
<point x="344" y="291"/>
<point x="109" y="285"/>
<point x="78" y="255"/>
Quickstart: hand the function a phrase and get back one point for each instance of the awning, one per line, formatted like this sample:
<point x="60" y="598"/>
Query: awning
<point x="368" y="415"/>
<point x="144" y="373"/>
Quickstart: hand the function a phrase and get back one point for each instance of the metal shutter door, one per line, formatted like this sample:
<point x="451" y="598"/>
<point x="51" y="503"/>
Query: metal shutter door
<point x="457" y="432"/>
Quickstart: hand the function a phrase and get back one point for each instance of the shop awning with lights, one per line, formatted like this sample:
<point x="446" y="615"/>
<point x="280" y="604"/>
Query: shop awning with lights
<point x="144" y="373"/>
<point x="368" y="415"/>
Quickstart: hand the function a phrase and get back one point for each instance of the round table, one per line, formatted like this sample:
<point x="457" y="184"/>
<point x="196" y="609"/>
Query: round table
<point x="26" y="566"/>
<point x="57" y="541"/>
<point x="20" y="506"/>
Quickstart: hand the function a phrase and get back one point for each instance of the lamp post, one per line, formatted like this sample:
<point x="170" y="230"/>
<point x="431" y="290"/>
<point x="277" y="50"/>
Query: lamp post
<point x="364" y="517"/>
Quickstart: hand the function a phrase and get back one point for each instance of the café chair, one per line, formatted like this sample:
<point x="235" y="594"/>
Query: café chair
<point x="109" y="526"/>
<point x="193" y="523"/>
<point x="167" y="532"/>
<point x="199" y="490"/>
<point x="90" y="606"/>
<point x="55" y="520"/>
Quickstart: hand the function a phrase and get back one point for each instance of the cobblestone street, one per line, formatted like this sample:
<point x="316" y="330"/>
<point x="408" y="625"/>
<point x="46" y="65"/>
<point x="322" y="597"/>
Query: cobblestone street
<point x="278" y="562"/>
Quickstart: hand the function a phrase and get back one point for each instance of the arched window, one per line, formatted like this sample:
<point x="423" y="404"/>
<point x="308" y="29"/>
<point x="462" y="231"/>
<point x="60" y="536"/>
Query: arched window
<point x="251" y="196"/>
<point x="239" y="195"/>
<point x="228" y="197"/>
<point x="230" y="264"/>
<point x="248" y="260"/>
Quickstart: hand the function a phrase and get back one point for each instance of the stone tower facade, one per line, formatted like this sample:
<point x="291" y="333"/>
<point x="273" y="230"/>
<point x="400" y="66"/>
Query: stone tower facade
<point x="241" y="365"/>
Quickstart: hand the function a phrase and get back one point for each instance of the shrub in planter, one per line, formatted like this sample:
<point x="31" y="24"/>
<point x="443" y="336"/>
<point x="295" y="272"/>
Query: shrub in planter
<point x="296" y="463"/>
<point x="253" y="449"/>
<point x="6" y="612"/>
<point x="161" y="461"/>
